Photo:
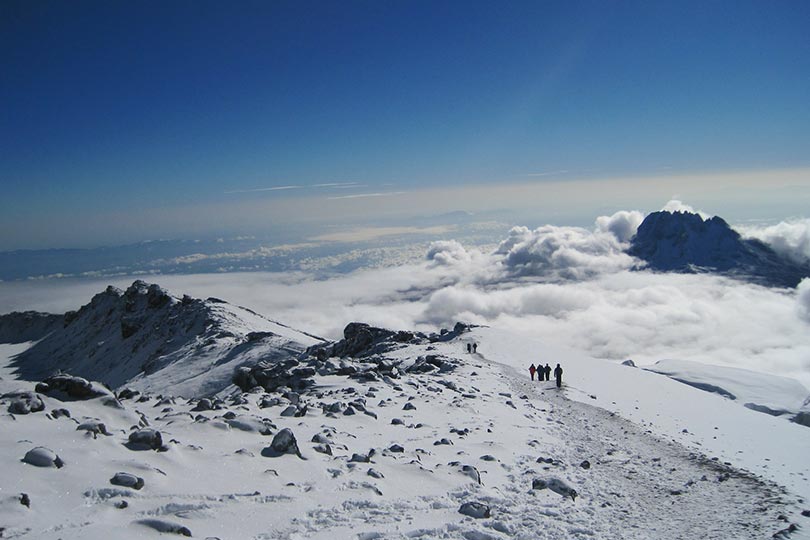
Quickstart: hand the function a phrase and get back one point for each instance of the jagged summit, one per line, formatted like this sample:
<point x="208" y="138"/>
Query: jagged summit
<point x="145" y="337"/>
<point x="685" y="242"/>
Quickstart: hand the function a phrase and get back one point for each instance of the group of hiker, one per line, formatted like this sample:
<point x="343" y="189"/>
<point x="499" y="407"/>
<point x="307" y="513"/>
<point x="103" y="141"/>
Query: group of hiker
<point x="472" y="347"/>
<point x="544" y="373"/>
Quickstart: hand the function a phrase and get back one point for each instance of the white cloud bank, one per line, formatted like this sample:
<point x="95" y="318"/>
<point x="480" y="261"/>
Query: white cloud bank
<point x="565" y="285"/>
<point x="788" y="238"/>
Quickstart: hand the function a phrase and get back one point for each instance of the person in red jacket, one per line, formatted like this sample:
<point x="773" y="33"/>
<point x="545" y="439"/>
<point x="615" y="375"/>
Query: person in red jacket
<point x="532" y="370"/>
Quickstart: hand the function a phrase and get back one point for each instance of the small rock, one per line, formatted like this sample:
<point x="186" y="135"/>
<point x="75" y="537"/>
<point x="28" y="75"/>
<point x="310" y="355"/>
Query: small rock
<point x="585" y="464"/>
<point x="145" y="439"/>
<point x="320" y="439"/>
<point x="93" y="427"/>
<point x="291" y="410"/>
<point x="25" y="500"/>
<point x="472" y="472"/>
<point x="121" y="505"/>
<point x="26" y="403"/>
<point x="127" y="480"/>
<point x="409" y="407"/>
<point x="374" y="473"/>
<point x="359" y="458"/>
<point x="397" y="422"/>
<point x="59" y="413"/>
<point x="487" y="457"/>
<point x="475" y="510"/>
<point x="323" y="449"/>
<point x="283" y="443"/>
<point x="556" y="485"/>
<point x="396" y="448"/>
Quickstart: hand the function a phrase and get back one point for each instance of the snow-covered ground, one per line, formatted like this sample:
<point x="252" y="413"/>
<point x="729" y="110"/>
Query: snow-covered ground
<point x="480" y="433"/>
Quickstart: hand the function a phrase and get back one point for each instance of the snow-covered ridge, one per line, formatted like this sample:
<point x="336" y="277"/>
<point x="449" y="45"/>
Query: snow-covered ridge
<point x="685" y="242"/>
<point x="770" y="394"/>
<point x="402" y="435"/>
<point x="146" y="338"/>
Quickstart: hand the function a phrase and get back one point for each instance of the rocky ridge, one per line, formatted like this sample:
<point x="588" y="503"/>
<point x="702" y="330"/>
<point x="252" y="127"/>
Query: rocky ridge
<point x="684" y="242"/>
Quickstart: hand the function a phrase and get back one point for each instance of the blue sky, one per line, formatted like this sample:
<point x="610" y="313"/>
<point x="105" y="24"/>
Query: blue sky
<point x="113" y="109"/>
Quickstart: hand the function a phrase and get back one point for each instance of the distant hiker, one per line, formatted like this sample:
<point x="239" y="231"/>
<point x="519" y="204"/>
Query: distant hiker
<point x="532" y="370"/>
<point x="469" y="347"/>
<point x="475" y="347"/>
<point x="558" y="375"/>
<point x="547" y="371"/>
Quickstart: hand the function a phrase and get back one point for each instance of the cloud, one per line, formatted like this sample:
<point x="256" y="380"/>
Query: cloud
<point x="367" y="195"/>
<point x="788" y="238"/>
<point x="675" y="205"/>
<point x="257" y="190"/>
<point x="546" y="173"/>
<point x="803" y="299"/>
<point x="448" y="253"/>
<point x="562" y="252"/>
<point x="623" y="224"/>
<point x="365" y="234"/>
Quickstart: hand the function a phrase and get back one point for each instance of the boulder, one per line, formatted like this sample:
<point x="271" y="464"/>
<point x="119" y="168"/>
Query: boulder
<point x="475" y="510"/>
<point x="145" y="439"/>
<point x="43" y="457"/>
<point x="95" y="427"/>
<point x="127" y="480"/>
<point x="283" y="443"/>
<point x="67" y="387"/>
<point x="26" y="403"/>
<point x="556" y="485"/>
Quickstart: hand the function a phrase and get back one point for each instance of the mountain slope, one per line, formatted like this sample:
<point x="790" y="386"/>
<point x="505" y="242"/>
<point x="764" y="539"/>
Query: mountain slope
<point x="685" y="242"/>
<point x="145" y="338"/>
<point x="415" y="439"/>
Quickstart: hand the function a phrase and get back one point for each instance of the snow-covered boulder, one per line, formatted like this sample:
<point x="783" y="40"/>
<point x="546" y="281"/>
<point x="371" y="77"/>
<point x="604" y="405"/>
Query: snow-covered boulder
<point x="25" y="403"/>
<point x="94" y="427"/>
<point x="145" y="439"/>
<point x="67" y="387"/>
<point x="475" y="510"/>
<point x="127" y="480"/>
<point x="43" y="457"/>
<point x="556" y="485"/>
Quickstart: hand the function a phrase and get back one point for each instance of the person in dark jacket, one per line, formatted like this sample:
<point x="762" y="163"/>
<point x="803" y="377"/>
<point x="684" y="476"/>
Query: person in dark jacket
<point x="475" y="347"/>
<point x="558" y="375"/>
<point x="547" y="371"/>
<point x="532" y="370"/>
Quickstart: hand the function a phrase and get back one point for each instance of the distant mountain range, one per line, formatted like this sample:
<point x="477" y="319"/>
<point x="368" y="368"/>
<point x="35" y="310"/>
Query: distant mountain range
<point x="685" y="242"/>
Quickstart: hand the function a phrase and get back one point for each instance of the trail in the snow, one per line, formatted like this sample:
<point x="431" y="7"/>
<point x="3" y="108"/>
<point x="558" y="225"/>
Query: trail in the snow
<point x="639" y="486"/>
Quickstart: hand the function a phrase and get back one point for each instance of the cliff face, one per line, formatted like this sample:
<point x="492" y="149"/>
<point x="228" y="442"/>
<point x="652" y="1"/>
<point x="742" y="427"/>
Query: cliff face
<point x="685" y="242"/>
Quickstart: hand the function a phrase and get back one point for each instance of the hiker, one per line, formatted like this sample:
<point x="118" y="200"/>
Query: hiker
<point x="547" y="371"/>
<point x="469" y="347"/>
<point x="558" y="375"/>
<point x="532" y="370"/>
<point x="475" y="347"/>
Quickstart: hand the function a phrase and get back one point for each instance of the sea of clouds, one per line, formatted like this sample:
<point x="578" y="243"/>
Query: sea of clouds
<point x="572" y="286"/>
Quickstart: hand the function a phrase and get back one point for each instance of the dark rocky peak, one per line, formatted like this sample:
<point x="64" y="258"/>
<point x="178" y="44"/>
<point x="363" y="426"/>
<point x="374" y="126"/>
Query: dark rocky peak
<point x="685" y="242"/>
